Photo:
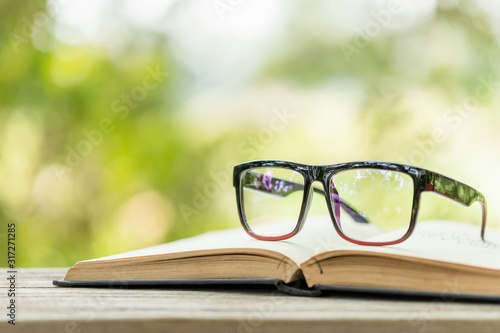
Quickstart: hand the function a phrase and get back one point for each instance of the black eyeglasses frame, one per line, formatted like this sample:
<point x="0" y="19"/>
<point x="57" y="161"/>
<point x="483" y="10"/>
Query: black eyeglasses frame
<point x="423" y="181"/>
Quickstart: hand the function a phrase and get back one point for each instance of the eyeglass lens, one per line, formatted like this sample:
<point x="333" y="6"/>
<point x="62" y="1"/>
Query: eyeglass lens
<point x="383" y="197"/>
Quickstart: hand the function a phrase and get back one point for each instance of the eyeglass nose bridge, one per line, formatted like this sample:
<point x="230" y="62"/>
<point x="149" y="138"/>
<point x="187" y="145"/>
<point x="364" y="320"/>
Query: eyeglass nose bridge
<point x="315" y="172"/>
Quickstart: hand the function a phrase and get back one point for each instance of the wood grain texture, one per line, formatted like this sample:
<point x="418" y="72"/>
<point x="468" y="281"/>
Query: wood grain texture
<point x="42" y="307"/>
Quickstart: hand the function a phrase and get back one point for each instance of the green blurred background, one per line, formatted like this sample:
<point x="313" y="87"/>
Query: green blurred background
<point x="120" y="121"/>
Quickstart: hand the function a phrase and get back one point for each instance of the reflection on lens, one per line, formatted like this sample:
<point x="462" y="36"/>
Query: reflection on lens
<point x="383" y="199"/>
<point x="272" y="198"/>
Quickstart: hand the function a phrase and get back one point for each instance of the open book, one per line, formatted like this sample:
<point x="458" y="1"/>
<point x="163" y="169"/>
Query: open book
<point x="441" y="258"/>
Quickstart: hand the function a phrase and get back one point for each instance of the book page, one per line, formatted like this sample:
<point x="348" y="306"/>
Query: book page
<point x="317" y="234"/>
<point x="446" y="241"/>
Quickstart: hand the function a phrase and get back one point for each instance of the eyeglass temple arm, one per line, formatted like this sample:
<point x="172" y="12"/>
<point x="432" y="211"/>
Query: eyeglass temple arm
<point x="284" y="188"/>
<point x="456" y="191"/>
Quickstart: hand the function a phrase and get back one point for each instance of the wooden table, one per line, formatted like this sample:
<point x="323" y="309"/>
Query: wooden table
<point x="44" y="308"/>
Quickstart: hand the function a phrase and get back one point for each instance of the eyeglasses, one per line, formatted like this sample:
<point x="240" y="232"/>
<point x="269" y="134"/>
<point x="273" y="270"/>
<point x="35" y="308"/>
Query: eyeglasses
<point x="364" y="199"/>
